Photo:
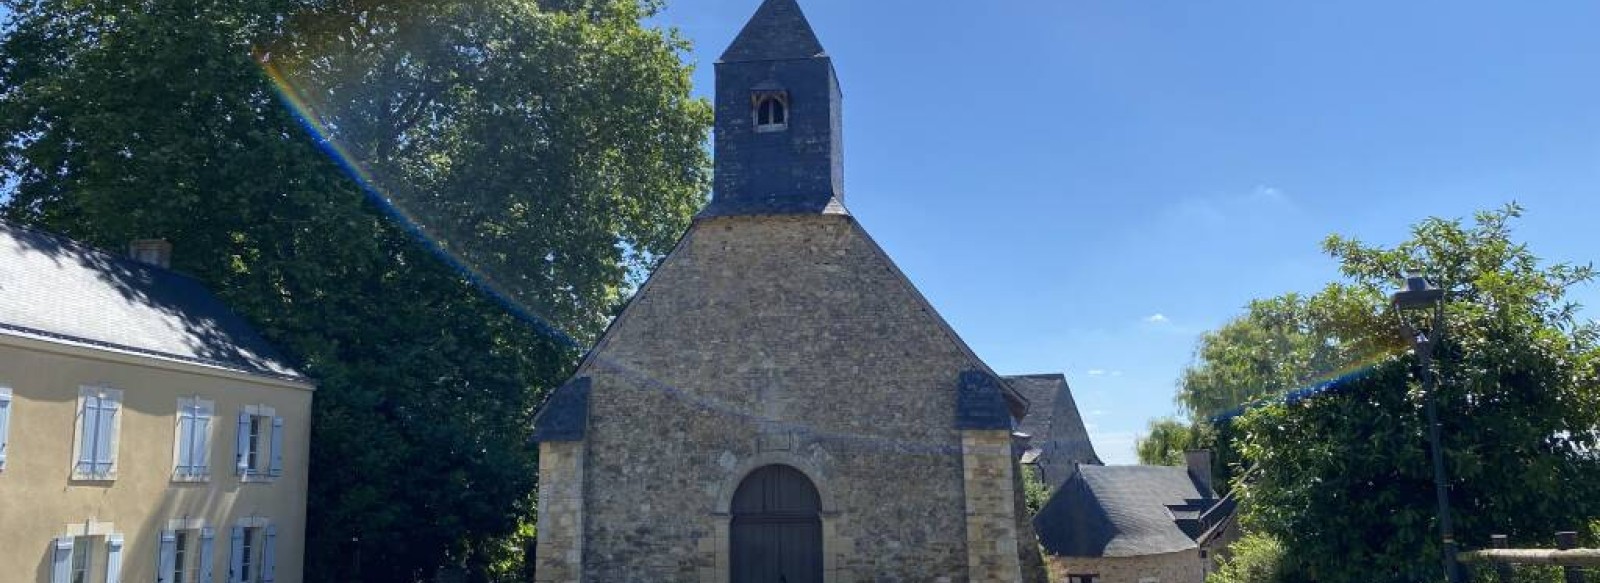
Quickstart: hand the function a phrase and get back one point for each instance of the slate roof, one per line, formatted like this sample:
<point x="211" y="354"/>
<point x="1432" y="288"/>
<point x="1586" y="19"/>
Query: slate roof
<point x="56" y="288"/>
<point x="778" y="31"/>
<point x="1124" y="511"/>
<point x="1053" y="420"/>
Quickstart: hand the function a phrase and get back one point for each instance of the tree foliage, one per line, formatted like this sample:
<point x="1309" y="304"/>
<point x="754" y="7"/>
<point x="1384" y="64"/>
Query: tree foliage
<point x="1253" y="559"/>
<point x="1343" y="478"/>
<point x="1166" y="441"/>
<point x="551" y="144"/>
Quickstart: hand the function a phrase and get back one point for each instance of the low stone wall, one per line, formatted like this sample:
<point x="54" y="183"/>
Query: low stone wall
<point x="1179" y="567"/>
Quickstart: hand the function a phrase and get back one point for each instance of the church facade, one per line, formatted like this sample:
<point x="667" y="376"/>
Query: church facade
<point x="778" y="403"/>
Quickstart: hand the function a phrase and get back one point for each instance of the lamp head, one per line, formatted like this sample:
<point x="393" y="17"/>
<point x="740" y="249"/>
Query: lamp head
<point x="1418" y="293"/>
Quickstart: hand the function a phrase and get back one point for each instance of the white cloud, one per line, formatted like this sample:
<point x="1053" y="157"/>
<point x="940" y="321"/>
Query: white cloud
<point x="1097" y="373"/>
<point x="1158" y="319"/>
<point x="1097" y="413"/>
<point x="1220" y="211"/>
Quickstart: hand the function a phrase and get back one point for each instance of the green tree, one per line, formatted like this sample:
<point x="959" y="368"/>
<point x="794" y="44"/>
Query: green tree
<point x="554" y="145"/>
<point x="1342" y="478"/>
<point x="1253" y="559"/>
<point x="1167" y="440"/>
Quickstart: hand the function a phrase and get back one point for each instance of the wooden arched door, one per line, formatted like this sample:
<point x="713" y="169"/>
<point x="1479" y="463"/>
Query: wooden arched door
<point x="777" y="528"/>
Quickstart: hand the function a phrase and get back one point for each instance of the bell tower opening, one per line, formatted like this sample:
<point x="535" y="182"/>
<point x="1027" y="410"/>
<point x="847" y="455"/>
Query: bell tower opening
<point x="772" y="111"/>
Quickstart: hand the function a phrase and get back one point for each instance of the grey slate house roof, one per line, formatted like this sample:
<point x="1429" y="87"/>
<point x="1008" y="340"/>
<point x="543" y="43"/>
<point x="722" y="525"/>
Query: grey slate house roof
<point x="1128" y="511"/>
<point x="57" y="289"/>
<point x="1058" y="438"/>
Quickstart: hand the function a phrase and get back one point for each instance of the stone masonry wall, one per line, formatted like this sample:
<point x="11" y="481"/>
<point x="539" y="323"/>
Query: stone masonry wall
<point x="1179" y="567"/>
<point x="778" y="340"/>
<point x="991" y="507"/>
<point x="560" y="545"/>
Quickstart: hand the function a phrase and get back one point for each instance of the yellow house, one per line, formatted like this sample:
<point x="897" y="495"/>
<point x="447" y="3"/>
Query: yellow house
<point x="147" y="433"/>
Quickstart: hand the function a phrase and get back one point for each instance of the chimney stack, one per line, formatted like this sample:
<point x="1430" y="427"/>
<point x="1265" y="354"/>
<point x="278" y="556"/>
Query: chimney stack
<point x="1200" y="470"/>
<point x="155" y="252"/>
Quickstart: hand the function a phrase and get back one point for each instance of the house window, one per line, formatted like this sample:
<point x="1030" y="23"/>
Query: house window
<point x="192" y="458"/>
<point x="248" y="563"/>
<point x="5" y="425"/>
<point x="254" y="552"/>
<point x="182" y="554"/>
<point x="82" y="559"/>
<point x="186" y="553"/>
<point x="99" y="421"/>
<point x="771" y="110"/>
<point x="260" y="444"/>
<point x="1083" y="579"/>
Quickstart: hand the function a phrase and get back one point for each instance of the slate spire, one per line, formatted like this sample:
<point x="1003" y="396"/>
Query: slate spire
<point x="779" y="30"/>
<point x="779" y="129"/>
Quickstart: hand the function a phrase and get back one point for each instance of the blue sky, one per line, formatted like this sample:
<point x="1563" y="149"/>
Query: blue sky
<point x="1085" y="186"/>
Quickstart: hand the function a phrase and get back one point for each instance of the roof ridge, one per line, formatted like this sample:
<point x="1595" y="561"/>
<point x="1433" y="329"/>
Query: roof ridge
<point x="83" y="247"/>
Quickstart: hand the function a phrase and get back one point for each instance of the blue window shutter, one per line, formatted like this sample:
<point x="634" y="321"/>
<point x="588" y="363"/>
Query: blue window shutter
<point x="87" y="418"/>
<point x="104" y="431"/>
<point x="186" y="435"/>
<point x="208" y="541"/>
<point x="236" y="558"/>
<point x="5" y="425"/>
<point x="277" y="447"/>
<point x="243" y="444"/>
<point x="61" y="561"/>
<point x="269" y="555"/>
<point x="114" y="558"/>
<point x="167" y="558"/>
<point x="202" y="439"/>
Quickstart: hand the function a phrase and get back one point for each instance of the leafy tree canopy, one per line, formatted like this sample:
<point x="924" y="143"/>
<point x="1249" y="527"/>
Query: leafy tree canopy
<point x="551" y="144"/>
<point x="1343" y="479"/>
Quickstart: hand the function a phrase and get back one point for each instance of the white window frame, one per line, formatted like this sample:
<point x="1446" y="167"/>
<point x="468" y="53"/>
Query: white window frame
<point x="262" y="452"/>
<point x="759" y="99"/>
<point x="256" y="563"/>
<point x="80" y="567"/>
<point x="5" y="426"/>
<point x="200" y="444"/>
<point x="188" y="542"/>
<point x="112" y="442"/>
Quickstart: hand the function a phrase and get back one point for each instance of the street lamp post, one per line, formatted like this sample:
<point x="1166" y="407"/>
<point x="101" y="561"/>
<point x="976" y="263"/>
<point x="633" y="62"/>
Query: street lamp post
<point x="1419" y="294"/>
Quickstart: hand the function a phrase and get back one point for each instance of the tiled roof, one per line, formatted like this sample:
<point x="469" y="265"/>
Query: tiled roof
<point x="56" y="288"/>
<point x="1053" y="421"/>
<point x="779" y="30"/>
<point x="1122" y="511"/>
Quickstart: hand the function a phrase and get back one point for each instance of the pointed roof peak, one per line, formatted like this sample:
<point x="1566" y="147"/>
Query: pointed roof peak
<point x="778" y="31"/>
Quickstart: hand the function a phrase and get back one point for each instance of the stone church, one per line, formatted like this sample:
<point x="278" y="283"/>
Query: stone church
<point x="778" y="404"/>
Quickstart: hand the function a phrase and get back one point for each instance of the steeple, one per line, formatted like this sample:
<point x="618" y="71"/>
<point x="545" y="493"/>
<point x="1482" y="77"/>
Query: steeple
<point x="778" y="31"/>
<point x="779" y="129"/>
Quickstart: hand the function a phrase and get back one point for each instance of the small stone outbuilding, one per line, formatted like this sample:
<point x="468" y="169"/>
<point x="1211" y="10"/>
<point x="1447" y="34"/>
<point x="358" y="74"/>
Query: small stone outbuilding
<point x="1135" y="524"/>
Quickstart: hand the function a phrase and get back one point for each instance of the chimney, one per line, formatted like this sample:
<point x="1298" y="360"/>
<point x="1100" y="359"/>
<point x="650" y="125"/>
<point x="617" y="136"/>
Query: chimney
<point x="155" y="252"/>
<point x="1200" y="470"/>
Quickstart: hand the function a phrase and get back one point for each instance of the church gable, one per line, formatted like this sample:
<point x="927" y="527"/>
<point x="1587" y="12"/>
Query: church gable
<point x="793" y="341"/>
<point x="761" y="316"/>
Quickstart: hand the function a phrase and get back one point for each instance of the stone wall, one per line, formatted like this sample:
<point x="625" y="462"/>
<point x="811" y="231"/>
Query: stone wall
<point x="992" y="548"/>
<point x="787" y="340"/>
<point x="1179" y="567"/>
<point x="559" y="550"/>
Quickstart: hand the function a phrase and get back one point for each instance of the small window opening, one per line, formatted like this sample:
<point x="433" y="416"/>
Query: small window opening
<point x="772" y="111"/>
